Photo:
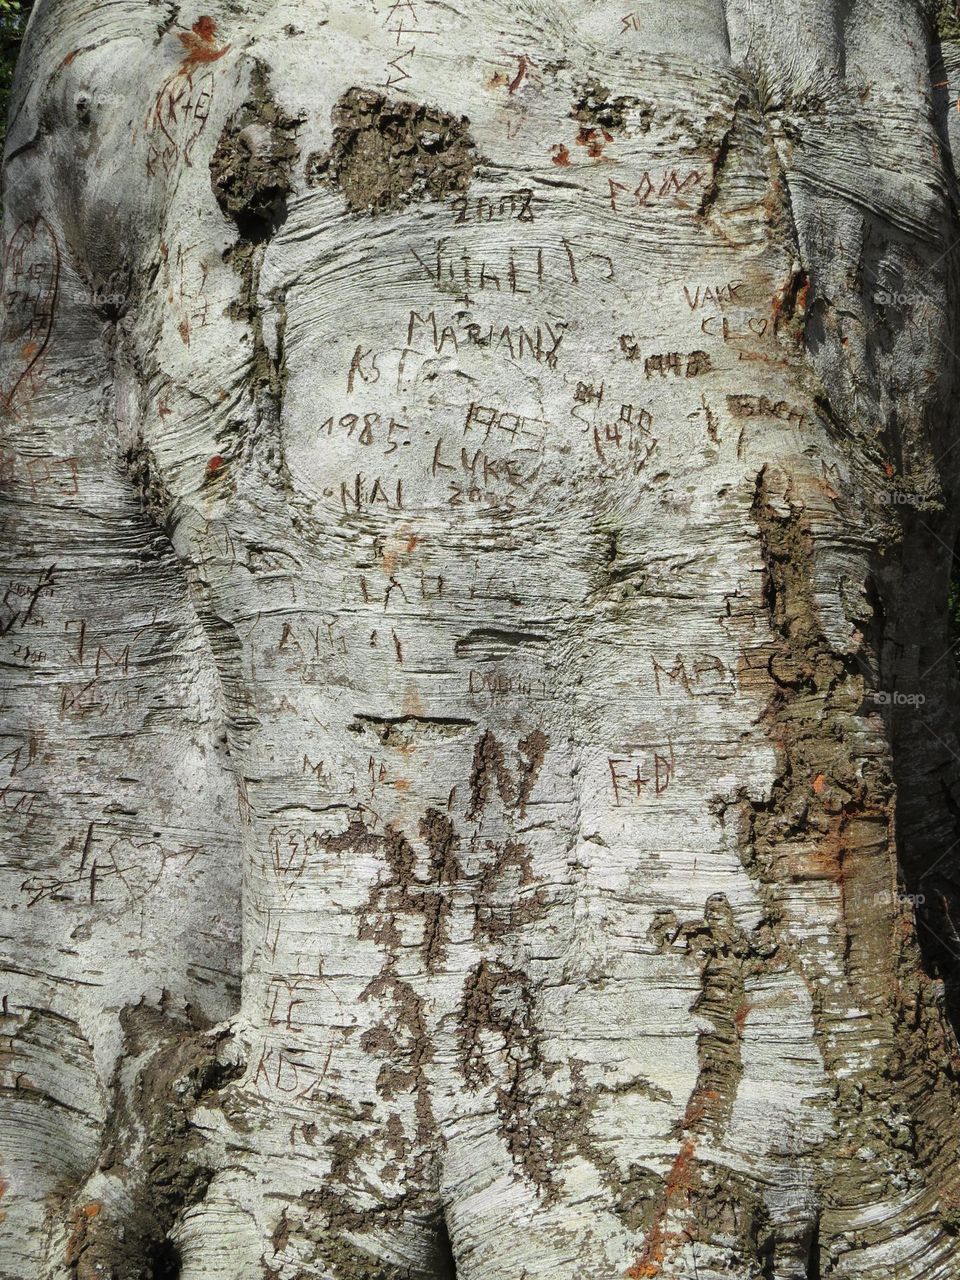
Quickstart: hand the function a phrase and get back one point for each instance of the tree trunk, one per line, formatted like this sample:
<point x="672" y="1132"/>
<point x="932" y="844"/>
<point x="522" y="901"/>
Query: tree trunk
<point x="481" y="782"/>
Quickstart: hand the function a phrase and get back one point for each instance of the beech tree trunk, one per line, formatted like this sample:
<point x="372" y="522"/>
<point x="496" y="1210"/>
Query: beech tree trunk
<point x="480" y="775"/>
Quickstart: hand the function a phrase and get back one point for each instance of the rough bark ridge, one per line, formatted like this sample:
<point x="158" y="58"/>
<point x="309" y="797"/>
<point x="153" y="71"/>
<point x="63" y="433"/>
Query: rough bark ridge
<point x="479" y="497"/>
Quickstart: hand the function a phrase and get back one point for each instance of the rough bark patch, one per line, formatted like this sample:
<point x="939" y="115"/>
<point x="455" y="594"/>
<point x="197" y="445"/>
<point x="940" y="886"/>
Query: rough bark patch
<point x="251" y="168"/>
<point x="829" y="819"/>
<point x="948" y="20"/>
<point x="497" y="1003"/>
<point x="151" y="1147"/>
<point x="595" y="105"/>
<point x="385" y="155"/>
<point x="156" y="501"/>
<point x="490" y="764"/>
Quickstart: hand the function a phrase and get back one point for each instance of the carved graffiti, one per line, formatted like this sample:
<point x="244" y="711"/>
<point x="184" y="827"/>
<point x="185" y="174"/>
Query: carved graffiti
<point x="31" y="282"/>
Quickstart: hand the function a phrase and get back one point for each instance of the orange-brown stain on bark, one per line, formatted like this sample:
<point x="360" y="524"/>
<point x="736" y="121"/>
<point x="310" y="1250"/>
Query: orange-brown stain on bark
<point x="650" y="1262"/>
<point x="594" y="140"/>
<point x="403" y="543"/>
<point x="81" y="1218"/>
<point x="199" y="45"/>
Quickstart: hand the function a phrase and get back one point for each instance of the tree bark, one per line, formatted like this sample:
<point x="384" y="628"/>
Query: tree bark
<point x="481" y="776"/>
